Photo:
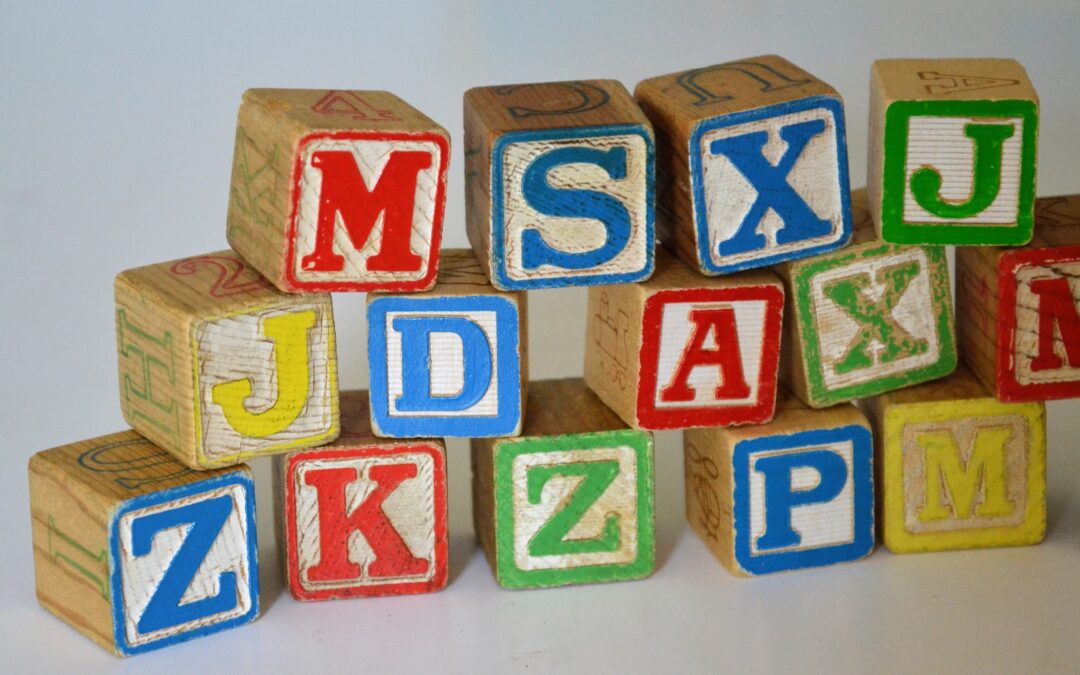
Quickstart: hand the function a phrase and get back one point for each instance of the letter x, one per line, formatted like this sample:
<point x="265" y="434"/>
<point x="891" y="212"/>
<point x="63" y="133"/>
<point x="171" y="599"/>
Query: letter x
<point x="875" y="318"/>
<point x="773" y="190"/>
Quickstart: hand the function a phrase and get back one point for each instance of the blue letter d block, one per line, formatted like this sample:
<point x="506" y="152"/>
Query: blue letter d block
<point x="803" y="500"/>
<point x="444" y="366"/>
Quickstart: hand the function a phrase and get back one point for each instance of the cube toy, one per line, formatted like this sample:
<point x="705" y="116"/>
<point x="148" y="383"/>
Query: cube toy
<point x="216" y="366"/>
<point x="952" y="151"/>
<point x="363" y="516"/>
<point x="571" y="500"/>
<point x="451" y="361"/>
<point x="559" y="184"/>
<point x="866" y="319"/>
<point x="682" y="350"/>
<point x="795" y="493"/>
<point x="958" y="468"/>
<point x="338" y="190"/>
<point x="753" y="163"/>
<point x="1018" y="309"/>
<point x="135" y="550"/>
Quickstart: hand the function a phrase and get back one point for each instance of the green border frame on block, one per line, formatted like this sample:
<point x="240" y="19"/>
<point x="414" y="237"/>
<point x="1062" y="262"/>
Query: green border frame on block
<point x="894" y="180"/>
<point x="509" y="575"/>
<point x="940" y="297"/>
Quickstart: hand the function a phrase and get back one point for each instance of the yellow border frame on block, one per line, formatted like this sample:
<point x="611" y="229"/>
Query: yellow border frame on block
<point x="895" y="535"/>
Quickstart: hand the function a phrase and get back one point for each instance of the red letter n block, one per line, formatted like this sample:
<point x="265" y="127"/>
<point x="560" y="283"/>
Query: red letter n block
<point x="1018" y="309"/>
<point x="682" y="350"/>
<point x="338" y="190"/>
<point x="364" y="516"/>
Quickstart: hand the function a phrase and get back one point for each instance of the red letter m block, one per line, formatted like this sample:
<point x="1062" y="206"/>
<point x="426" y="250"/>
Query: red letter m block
<point x="363" y="522"/>
<point x="367" y="211"/>
<point x="709" y="357"/>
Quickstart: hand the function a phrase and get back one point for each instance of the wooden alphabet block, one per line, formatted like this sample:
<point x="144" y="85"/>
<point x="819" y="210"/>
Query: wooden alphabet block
<point x="559" y="184"/>
<point x="682" y="350"/>
<point x="571" y="500"/>
<point x="135" y="550"/>
<point x="216" y="366"/>
<point x="1018" y="309"/>
<point x="363" y="516"/>
<point x="338" y="190"/>
<point x="753" y="164"/>
<point x="958" y="468"/>
<point x="867" y="319"/>
<point x="953" y="146"/>
<point x="451" y="361"/>
<point x="795" y="493"/>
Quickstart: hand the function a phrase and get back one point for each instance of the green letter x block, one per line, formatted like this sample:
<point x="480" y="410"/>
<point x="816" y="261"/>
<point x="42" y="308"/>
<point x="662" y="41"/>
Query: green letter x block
<point x="953" y="144"/>
<point x="866" y="319"/>
<point x="571" y="500"/>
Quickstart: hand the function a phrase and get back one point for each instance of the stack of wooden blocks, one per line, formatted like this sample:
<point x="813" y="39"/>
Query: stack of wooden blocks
<point x="771" y="270"/>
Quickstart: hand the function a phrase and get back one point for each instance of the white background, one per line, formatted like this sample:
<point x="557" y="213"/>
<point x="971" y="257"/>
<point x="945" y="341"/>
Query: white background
<point x="116" y="129"/>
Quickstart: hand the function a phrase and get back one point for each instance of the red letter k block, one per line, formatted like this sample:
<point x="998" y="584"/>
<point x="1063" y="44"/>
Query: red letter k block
<point x="392" y="556"/>
<point x="725" y="356"/>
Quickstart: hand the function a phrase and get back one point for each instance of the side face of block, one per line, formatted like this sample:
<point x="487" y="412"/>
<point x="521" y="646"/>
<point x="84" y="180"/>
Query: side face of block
<point x="766" y="154"/>
<point x="872" y="318"/>
<point x="338" y="190"/>
<point x="574" y="509"/>
<point x="216" y="366"/>
<point x="571" y="169"/>
<point x="966" y="473"/>
<point x="366" y="520"/>
<point x="953" y="151"/>
<point x="709" y="356"/>
<point x="137" y="551"/>
<point x="446" y="365"/>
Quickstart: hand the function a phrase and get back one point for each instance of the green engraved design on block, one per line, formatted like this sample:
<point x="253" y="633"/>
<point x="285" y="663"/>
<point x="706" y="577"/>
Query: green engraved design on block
<point x="257" y="183"/>
<point x="93" y="566"/>
<point x="894" y="185"/>
<point x="507" y="572"/>
<point x="153" y="352"/>
<point x="940" y="306"/>
<point x="551" y="538"/>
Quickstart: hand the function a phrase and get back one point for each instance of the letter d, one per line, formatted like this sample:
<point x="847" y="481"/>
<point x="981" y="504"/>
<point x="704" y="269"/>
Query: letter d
<point x="416" y="332"/>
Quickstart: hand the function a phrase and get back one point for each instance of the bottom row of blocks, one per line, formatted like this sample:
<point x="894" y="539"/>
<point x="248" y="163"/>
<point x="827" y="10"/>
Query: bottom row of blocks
<point x="137" y="551"/>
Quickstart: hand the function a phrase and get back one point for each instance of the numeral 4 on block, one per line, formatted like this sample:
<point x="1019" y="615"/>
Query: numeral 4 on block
<point x="795" y="493"/>
<point x="450" y="361"/>
<point x="571" y="500"/>
<point x="338" y="190"/>
<point x="952" y="151"/>
<point x="753" y="163"/>
<point x="1018" y="309"/>
<point x="135" y="550"/>
<point x="559" y="184"/>
<point x="867" y="319"/>
<point x="681" y="350"/>
<point x="217" y="366"/>
<point x="362" y="516"/>
<point x="958" y="468"/>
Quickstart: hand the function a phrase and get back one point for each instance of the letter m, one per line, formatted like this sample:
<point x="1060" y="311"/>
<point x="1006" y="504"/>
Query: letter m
<point x="976" y="486"/>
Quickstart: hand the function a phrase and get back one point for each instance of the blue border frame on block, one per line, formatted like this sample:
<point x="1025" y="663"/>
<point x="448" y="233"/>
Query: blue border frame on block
<point x="153" y="499"/>
<point x="508" y="369"/>
<point x="498" y="258"/>
<point x="701" y="221"/>
<point x="862" y="475"/>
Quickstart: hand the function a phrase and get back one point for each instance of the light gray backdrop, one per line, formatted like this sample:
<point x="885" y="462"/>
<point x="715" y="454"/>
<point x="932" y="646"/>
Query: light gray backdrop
<point x="116" y="131"/>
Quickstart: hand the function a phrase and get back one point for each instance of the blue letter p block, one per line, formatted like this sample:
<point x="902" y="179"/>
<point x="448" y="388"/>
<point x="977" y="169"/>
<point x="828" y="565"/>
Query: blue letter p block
<point x="445" y="366"/>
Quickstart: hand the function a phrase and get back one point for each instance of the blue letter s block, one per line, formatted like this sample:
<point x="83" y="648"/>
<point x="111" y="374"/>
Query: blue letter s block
<point x="444" y="366"/>
<point x="184" y="562"/>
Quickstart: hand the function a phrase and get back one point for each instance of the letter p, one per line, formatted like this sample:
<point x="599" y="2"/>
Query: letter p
<point x="781" y="498"/>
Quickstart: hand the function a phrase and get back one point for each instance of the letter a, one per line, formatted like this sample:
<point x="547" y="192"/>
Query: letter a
<point x="725" y="357"/>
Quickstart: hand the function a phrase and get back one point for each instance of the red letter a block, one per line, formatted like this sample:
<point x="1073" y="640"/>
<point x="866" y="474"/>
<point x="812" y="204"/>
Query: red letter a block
<point x="364" y="516"/>
<point x="338" y="190"/>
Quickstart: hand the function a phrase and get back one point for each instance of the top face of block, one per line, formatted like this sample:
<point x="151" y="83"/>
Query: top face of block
<point x="767" y="154"/>
<point x="959" y="142"/>
<point x="571" y="178"/>
<point x="567" y="406"/>
<point x="365" y="197"/>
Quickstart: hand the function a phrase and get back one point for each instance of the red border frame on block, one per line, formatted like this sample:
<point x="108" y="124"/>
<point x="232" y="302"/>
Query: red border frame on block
<point x="649" y="417"/>
<point x="422" y="284"/>
<point x="1009" y="389"/>
<point x="437" y="582"/>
